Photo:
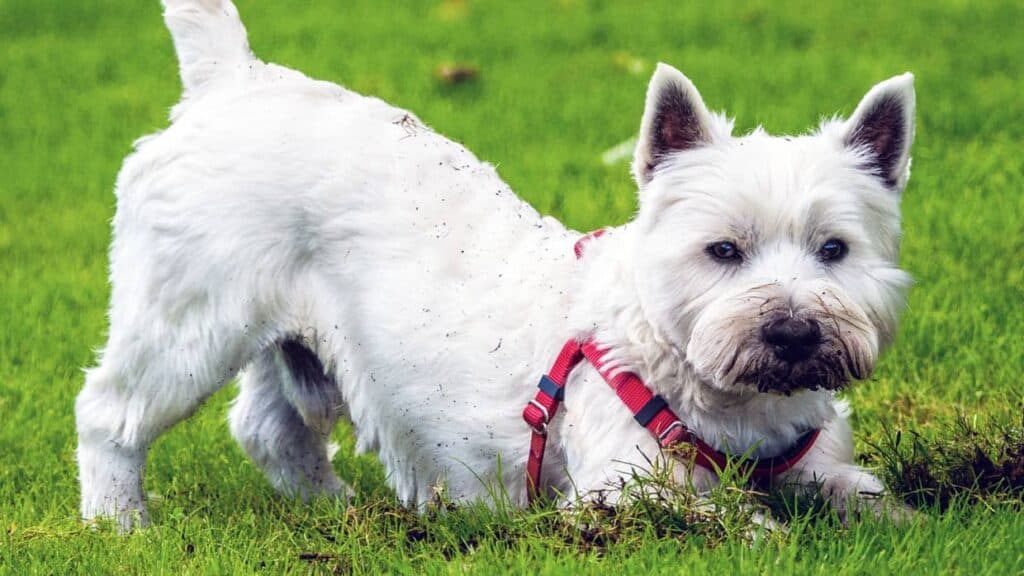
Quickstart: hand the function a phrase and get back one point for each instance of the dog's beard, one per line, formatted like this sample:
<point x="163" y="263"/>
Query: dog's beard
<point x="727" y="349"/>
<point x="833" y="367"/>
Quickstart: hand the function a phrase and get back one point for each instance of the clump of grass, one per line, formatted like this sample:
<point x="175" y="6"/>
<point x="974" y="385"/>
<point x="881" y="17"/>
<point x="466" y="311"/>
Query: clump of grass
<point x="656" y="505"/>
<point x="965" y="458"/>
<point x="657" y="508"/>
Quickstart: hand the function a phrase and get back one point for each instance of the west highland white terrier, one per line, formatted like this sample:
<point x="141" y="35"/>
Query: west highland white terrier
<point x="347" y="261"/>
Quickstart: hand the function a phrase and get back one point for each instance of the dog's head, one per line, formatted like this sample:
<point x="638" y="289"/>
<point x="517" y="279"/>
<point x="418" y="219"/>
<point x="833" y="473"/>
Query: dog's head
<point x="772" y="262"/>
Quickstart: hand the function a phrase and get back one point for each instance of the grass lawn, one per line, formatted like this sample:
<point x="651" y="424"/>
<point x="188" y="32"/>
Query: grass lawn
<point x="559" y="82"/>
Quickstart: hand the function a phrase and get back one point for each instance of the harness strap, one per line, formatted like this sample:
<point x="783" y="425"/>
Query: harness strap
<point x="649" y="410"/>
<point x="541" y="410"/>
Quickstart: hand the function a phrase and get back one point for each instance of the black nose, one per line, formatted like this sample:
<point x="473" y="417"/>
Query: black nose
<point x="792" y="339"/>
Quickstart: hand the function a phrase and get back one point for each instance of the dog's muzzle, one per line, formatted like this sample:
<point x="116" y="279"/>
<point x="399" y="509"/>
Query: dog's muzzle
<point x="796" y="355"/>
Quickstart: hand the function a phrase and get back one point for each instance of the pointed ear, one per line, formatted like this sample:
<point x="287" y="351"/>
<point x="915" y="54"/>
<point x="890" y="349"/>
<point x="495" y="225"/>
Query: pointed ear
<point x="675" y="119"/>
<point x="882" y="128"/>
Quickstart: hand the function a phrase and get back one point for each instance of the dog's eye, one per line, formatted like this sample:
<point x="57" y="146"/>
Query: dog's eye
<point x="832" y="250"/>
<point x="725" y="251"/>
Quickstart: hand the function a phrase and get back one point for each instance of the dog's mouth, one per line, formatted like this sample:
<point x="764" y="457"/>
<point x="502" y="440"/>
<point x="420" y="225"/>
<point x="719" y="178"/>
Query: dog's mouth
<point x="783" y="352"/>
<point x="828" y="370"/>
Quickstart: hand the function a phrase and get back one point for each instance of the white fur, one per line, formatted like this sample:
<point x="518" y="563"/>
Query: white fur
<point x="278" y="209"/>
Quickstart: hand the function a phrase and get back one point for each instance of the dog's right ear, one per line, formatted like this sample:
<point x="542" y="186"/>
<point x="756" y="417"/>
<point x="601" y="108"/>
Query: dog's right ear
<point x="675" y="119"/>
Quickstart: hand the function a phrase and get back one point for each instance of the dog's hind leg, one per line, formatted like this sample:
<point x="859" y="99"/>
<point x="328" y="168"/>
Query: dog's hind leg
<point x="283" y="418"/>
<point x="157" y="368"/>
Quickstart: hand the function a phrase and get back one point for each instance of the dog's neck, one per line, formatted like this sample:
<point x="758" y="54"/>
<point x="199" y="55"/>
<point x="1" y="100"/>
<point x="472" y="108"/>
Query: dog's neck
<point x="606" y="307"/>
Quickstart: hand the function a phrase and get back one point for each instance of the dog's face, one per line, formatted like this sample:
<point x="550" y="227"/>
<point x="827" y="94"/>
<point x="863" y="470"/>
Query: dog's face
<point x="772" y="263"/>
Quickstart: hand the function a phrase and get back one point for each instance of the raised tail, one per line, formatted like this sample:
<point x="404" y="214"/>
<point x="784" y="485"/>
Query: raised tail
<point x="209" y="38"/>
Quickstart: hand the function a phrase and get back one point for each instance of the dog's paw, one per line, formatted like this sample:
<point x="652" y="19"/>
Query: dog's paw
<point x="762" y="524"/>
<point x="122" y="521"/>
<point x="326" y="486"/>
<point x="885" y="507"/>
<point x="877" y="506"/>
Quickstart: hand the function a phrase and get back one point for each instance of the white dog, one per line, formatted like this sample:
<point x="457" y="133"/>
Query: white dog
<point x="349" y="261"/>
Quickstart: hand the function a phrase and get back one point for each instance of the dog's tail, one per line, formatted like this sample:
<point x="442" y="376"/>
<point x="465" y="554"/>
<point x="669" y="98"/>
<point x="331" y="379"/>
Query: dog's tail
<point x="210" y="40"/>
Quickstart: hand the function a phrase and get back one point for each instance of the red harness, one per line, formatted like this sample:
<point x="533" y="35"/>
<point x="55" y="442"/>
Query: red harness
<point x="649" y="410"/>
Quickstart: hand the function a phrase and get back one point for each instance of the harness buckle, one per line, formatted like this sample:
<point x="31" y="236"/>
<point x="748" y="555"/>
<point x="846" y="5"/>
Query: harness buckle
<point x="542" y="429"/>
<point x="668" y="430"/>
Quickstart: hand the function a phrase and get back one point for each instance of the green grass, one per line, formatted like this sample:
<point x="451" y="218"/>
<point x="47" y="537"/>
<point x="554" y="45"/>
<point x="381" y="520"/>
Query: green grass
<point x="80" y="80"/>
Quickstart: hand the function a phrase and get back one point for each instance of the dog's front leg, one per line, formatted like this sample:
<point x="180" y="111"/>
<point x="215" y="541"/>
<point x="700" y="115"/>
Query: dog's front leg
<point x="662" y="479"/>
<point x="644" y="477"/>
<point x="612" y="458"/>
<point x="828" y="469"/>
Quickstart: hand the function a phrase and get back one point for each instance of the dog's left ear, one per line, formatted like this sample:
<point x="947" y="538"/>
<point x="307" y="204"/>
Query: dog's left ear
<point x="675" y="119"/>
<point x="882" y="129"/>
